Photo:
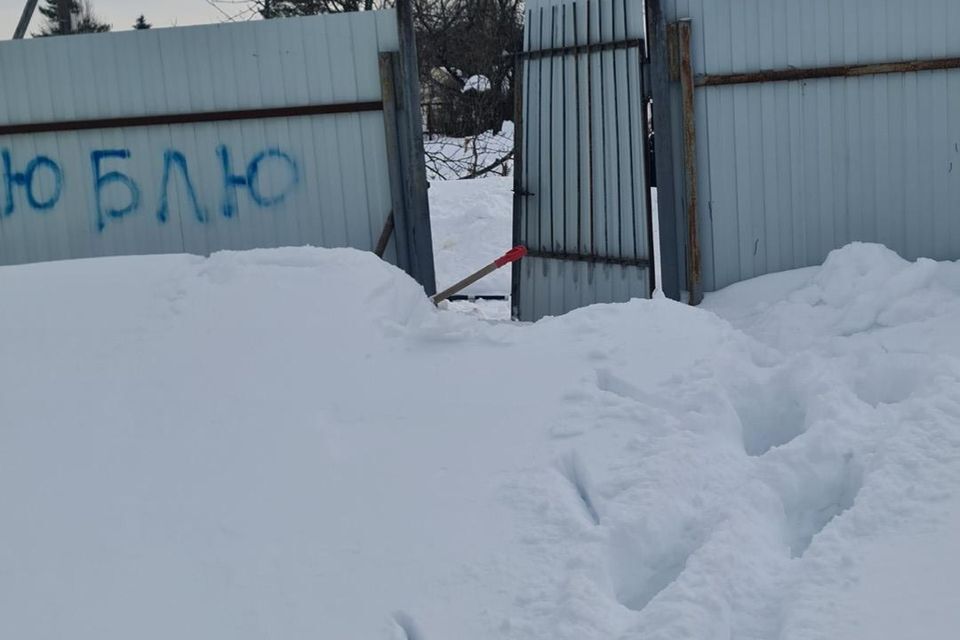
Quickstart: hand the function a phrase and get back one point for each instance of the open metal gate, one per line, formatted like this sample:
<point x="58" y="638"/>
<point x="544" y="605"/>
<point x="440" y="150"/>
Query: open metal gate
<point x="581" y="195"/>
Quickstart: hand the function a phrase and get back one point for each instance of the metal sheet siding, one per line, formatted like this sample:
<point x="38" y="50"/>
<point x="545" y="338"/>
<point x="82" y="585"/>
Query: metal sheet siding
<point x="320" y="180"/>
<point x="791" y="170"/>
<point x="557" y="217"/>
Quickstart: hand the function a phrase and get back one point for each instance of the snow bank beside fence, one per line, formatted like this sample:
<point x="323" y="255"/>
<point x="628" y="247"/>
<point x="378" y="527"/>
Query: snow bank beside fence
<point x="295" y="443"/>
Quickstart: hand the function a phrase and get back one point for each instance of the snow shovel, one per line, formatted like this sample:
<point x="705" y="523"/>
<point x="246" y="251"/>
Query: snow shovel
<point x="510" y="256"/>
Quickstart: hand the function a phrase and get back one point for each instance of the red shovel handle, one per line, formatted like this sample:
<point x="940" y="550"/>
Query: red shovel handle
<point x="511" y="256"/>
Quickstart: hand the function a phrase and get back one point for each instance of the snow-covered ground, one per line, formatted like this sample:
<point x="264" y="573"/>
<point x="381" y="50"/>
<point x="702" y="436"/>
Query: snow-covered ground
<point x="296" y="444"/>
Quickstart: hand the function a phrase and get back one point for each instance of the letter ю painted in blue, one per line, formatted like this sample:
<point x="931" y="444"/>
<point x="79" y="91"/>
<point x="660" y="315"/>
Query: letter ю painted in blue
<point x="232" y="181"/>
<point x="102" y="180"/>
<point x="254" y="169"/>
<point x="171" y="158"/>
<point x="26" y="180"/>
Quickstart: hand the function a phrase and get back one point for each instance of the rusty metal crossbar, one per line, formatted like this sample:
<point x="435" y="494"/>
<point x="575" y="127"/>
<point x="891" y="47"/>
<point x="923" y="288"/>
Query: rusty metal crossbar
<point x="838" y="71"/>
<point x="189" y="118"/>
<point x="631" y="43"/>
<point x="585" y="257"/>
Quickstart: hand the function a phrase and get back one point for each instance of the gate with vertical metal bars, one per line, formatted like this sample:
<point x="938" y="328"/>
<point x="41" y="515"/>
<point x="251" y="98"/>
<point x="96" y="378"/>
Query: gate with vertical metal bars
<point x="581" y="198"/>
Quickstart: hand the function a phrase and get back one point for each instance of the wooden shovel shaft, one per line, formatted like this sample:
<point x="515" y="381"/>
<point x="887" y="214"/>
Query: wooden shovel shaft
<point x="466" y="282"/>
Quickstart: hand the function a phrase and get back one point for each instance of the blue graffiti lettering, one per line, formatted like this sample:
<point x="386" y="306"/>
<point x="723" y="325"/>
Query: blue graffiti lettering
<point x="269" y="179"/>
<point x="54" y="168"/>
<point x="9" y="179"/>
<point x="13" y="179"/>
<point x="103" y="180"/>
<point x="172" y="158"/>
<point x="232" y="181"/>
<point x="254" y="169"/>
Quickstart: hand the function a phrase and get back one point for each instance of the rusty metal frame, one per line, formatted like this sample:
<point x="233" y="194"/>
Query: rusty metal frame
<point x="583" y="257"/>
<point x="694" y="275"/>
<point x="631" y="43"/>
<point x="814" y="73"/>
<point x="190" y="118"/>
<point x="385" y="234"/>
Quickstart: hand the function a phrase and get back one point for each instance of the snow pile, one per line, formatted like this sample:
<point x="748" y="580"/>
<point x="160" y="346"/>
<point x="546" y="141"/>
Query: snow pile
<point x="296" y="444"/>
<point x="477" y="83"/>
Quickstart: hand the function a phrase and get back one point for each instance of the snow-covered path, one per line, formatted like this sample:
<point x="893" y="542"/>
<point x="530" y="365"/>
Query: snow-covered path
<point x="295" y="444"/>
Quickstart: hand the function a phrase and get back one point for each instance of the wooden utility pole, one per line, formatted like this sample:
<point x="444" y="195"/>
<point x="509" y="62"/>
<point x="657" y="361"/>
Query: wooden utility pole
<point x="25" y="18"/>
<point x="64" y="16"/>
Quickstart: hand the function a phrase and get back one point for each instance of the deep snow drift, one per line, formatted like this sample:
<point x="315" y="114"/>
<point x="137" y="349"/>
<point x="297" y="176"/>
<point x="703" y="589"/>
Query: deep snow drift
<point x="295" y="444"/>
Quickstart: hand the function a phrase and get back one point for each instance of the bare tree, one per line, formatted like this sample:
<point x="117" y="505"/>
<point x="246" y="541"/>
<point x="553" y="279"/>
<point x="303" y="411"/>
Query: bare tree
<point x="467" y="81"/>
<point x="464" y="48"/>
<point x="282" y="8"/>
<point x="234" y="10"/>
<point x="466" y="72"/>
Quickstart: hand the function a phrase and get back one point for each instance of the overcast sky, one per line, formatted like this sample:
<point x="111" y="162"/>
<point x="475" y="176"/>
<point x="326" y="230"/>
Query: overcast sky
<point x="122" y="13"/>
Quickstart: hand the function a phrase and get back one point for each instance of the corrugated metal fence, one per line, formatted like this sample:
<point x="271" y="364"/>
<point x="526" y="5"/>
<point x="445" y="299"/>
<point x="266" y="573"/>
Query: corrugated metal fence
<point x="198" y="139"/>
<point x="582" y="207"/>
<point x="819" y="150"/>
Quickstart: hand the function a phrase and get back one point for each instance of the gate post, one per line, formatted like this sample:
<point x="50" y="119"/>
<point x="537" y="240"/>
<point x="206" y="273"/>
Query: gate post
<point x="518" y="179"/>
<point x="671" y="266"/>
<point x="417" y="233"/>
<point x="695" y="285"/>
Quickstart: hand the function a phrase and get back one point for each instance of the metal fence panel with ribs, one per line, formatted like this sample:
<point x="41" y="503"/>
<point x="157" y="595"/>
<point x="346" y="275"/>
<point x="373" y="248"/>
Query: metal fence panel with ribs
<point x="816" y="124"/>
<point x="198" y="139"/>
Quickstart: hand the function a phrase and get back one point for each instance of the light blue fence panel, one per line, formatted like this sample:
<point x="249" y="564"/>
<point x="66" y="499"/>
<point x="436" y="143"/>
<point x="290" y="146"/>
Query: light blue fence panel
<point x="198" y="139"/>
<point x="790" y="170"/>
